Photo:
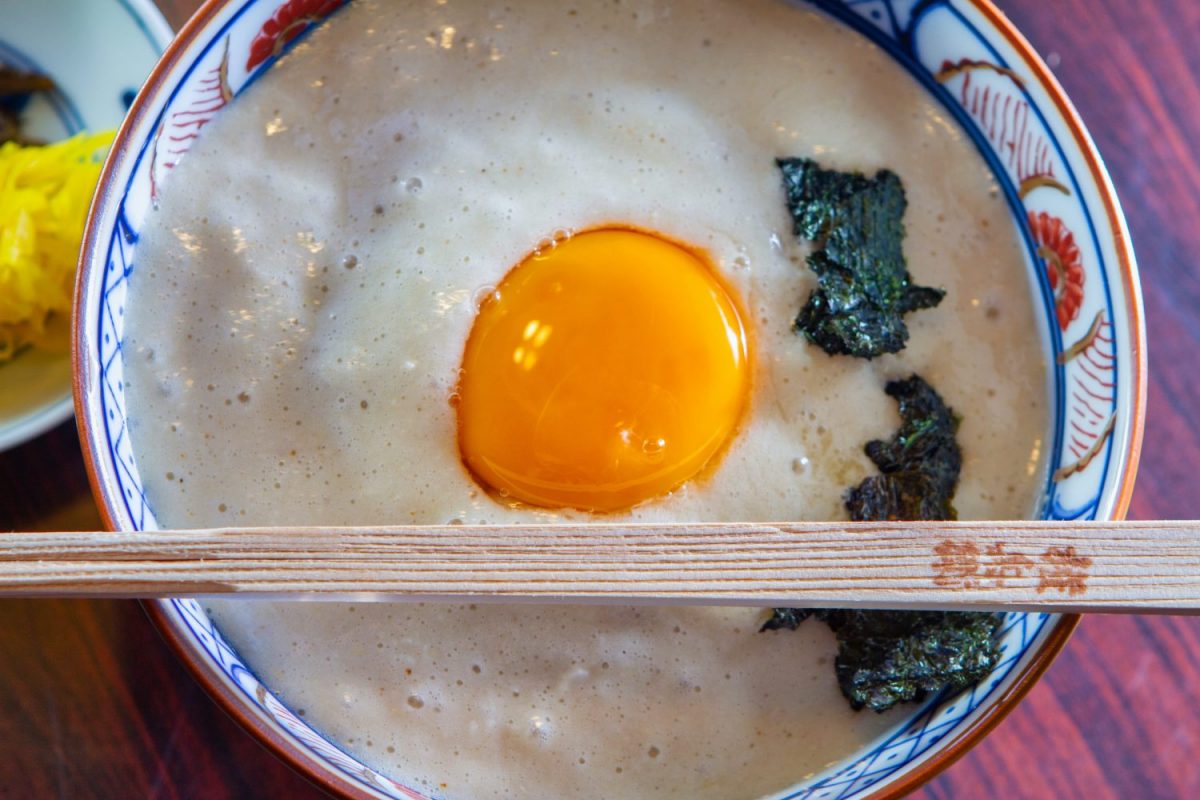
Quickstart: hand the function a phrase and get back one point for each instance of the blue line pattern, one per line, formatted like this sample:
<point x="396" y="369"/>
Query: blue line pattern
<point x="947" y="46"/>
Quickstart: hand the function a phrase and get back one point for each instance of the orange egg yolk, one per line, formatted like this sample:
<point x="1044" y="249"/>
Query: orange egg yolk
<point x="602" y="372"/>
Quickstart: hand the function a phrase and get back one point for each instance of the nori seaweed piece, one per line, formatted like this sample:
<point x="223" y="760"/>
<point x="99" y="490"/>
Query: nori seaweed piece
<point x="890" y="657"/>
<point x="789" y="618"/>
<point x="919" y="466"/>
<point x="886" y="658"/>
<point x="863" y="285"/>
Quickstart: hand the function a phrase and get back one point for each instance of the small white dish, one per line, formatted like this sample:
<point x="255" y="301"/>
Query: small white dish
<point x="98" y="52"/>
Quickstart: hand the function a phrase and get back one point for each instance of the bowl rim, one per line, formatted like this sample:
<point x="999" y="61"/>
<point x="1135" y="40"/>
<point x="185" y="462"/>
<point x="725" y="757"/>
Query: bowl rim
<point x="945" y="755"/>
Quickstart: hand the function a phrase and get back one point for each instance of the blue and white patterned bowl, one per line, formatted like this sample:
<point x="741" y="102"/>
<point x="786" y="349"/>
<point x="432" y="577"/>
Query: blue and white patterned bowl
<point x="968" y="56"/>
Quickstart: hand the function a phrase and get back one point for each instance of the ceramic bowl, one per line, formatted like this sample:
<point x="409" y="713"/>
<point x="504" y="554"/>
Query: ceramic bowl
<point x="98" y="53"/>
<point x="987" y="78"/>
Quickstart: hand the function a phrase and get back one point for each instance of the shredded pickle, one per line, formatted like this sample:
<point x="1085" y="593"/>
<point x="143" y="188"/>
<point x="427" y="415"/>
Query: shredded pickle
<point x="44" y="195"/>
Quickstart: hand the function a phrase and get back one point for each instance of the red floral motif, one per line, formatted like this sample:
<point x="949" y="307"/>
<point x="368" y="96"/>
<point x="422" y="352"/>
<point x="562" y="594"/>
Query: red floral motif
<point x="994" y="96"/>
<point x="177" y="132"/>
<point x="1064" y="267"/>
<point x="288" y="22"/>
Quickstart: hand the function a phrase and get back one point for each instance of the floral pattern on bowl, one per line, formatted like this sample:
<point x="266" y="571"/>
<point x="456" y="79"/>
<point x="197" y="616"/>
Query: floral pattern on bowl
<point x="985" y="76"/>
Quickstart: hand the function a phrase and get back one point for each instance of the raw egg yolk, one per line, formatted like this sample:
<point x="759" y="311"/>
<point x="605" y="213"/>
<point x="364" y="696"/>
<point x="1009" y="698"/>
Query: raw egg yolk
<point x="603" y="371"/>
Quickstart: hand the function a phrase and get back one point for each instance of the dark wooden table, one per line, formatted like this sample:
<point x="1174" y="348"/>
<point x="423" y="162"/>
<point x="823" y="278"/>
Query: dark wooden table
<point x="93" y="704"/>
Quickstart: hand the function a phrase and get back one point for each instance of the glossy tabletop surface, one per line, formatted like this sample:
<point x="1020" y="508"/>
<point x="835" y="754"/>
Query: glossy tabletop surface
<point x="94" y="704"/>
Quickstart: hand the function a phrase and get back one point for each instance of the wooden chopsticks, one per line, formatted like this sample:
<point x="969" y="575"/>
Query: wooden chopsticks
<point x="1044" y="566"/>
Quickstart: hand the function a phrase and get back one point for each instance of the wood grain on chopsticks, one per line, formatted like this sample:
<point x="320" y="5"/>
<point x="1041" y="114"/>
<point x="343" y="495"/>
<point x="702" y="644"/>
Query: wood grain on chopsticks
<point x="1142" y="566"/>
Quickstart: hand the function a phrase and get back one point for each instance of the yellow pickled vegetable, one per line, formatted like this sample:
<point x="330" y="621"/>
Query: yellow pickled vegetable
<point x="44" y="196"/>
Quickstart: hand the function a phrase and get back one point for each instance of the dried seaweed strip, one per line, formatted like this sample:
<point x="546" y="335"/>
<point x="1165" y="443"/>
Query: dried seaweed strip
<point x="890" y="657"/>
<point x="863" y="285"/>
